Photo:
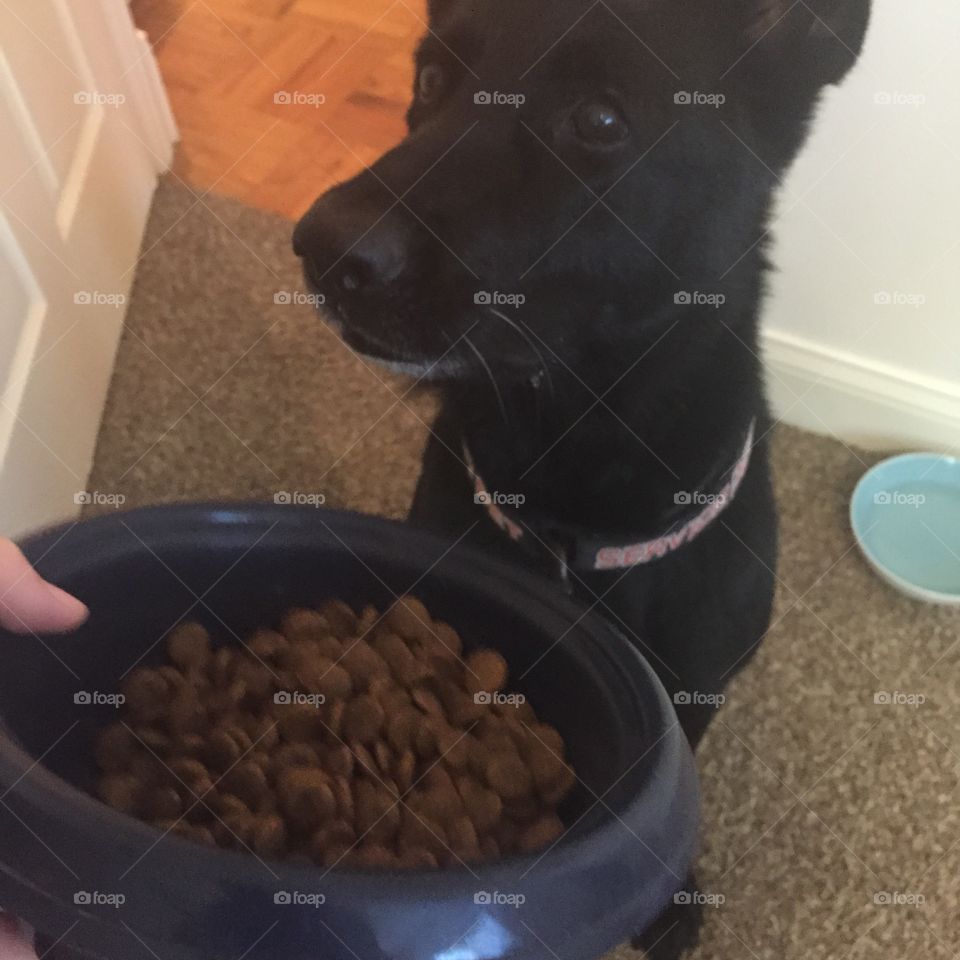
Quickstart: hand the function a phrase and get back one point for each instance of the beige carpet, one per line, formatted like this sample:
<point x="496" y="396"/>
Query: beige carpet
<point x="817" y="800"/>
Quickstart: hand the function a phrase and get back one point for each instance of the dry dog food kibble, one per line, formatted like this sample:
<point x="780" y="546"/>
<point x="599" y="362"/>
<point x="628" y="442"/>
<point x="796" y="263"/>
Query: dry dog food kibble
<point x="339" y="738"/>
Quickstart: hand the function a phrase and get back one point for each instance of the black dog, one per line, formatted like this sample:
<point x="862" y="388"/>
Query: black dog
<point x="570" y="241"/>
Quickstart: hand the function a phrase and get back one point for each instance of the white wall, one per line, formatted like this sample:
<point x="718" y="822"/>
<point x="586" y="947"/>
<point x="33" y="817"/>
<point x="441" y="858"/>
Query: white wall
<point x="862" y="331"/>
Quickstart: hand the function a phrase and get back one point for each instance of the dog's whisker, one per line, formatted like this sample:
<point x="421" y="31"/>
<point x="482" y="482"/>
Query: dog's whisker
<point x="518" y="326"/>
<point x="493" y="381"/>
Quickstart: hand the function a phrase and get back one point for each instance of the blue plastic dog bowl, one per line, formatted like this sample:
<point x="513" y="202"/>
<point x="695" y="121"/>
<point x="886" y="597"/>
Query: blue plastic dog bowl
<point x="905" y="514"/>
<point x="114" y="888"/>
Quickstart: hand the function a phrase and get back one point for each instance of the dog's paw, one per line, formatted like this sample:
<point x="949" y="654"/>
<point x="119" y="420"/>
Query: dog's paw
<point x="675" y="931"/>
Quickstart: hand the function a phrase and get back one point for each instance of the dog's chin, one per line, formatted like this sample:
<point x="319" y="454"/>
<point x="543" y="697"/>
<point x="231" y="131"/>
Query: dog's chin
<point x="420" y="369"/>
<point x="396" y="359"/>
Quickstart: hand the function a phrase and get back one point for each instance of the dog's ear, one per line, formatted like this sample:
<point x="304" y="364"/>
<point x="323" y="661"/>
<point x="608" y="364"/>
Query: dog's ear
<point x="823" y="38"/>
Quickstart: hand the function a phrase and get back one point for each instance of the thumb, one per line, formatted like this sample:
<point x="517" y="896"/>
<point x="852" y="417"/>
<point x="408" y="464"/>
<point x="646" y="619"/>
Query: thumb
<point x="13" y="943"/>
<point x="28" y="604"/>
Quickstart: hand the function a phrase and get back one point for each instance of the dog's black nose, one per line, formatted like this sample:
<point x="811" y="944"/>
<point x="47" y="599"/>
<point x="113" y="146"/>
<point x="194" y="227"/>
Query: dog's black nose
<point x="353" y="250"/>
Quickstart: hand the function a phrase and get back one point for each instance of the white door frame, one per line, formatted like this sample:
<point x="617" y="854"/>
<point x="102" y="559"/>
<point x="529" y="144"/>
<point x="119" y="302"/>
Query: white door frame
<point x="89" y="130"/>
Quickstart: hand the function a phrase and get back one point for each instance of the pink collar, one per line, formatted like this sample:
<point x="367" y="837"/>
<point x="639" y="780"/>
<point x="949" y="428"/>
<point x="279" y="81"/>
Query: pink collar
<point x="595" y="554"/>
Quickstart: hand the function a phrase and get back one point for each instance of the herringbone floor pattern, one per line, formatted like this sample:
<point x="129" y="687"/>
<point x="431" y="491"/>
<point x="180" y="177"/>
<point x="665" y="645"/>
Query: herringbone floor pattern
<point x="246" y="79"/>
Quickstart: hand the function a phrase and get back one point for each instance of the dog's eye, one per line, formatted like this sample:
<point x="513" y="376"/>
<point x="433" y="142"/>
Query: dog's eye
<point x="430" y="83"/>
<point x="598" y="122"/>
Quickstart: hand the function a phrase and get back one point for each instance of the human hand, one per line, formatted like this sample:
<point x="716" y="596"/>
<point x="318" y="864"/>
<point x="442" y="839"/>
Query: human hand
<point x="13" y="944"/>
<point x="28" y="604"/>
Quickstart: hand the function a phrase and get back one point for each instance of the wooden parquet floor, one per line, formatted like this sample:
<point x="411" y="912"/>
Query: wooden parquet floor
<point x="226" y="63"/>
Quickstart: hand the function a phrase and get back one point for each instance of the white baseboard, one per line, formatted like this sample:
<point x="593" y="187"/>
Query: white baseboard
<point x="858" y="400"/>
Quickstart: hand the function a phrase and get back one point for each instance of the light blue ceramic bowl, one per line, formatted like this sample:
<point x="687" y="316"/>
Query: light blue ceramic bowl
<point x="905" y="514"/>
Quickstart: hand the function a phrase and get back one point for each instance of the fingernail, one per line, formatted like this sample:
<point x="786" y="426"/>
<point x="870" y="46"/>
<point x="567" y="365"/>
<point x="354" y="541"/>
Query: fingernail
<point x="69" y="606"/>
